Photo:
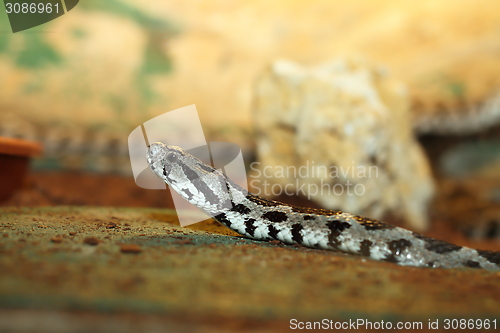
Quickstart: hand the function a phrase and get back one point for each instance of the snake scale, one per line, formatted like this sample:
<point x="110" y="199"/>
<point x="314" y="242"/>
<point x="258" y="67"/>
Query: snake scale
<point x="251" y="216"/>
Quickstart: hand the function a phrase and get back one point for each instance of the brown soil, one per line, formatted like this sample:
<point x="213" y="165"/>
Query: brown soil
<point x="187" y="280"/>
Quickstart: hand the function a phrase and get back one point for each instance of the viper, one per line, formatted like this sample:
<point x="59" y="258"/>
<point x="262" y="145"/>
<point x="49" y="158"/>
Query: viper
<point x="213" y="192"/>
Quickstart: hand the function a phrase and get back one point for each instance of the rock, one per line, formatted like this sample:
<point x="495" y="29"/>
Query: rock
<point x="341" y="134"/>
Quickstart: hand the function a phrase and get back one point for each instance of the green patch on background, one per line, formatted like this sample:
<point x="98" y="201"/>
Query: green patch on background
<point x="4" y="41"/>
<point x="79" y="33"/>
<point x="457" y="89"/>
<point x="143" y="86"/>
<point x="155" y="61"/>
<point x="4" y="31"/>
<point x="37" y="57"/>
<point x="37" y="53"/>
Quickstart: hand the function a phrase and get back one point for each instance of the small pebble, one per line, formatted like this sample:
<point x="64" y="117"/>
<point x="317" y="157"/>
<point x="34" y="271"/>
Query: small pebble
<point x="130" y="248"/>
<point x="111" y="225"/>
<point x="91" y="241"/>
<point x="56" y="239"/>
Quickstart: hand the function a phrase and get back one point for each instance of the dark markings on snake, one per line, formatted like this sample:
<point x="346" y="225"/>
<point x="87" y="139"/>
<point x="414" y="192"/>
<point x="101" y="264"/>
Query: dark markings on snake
<point x="242" y="209"/>
<point x="336" y="228"/>
<point x="314" y="245"/>
<point x="190" y="174"/>
<point x="263" y="202"/>
<point x="250" y="227"/>
<point x="390" y="258"/>
<point x="431" y="264"/>
<point x="275" y="216"/>
<point x="228" y="203"/>
<point x="200" y="185"/>
<point x="371" y="224"/>
<point x="296" y="236"/>
<point x="308" y="217"/>
<point x="173" y="181"/>
<point x="209" y="194"/>
<point x="222" y="218"/>
<point x="364" y="248"/>
<point x="436" y="245"/>
<point x="441" y="247"/>
<point x="205" y="167"/>
<point x="472" y="264"/>
<point x="397" y="247"/>
<point x="273" y="232"/>
<point x="314" y="211"/>
<point x="493" y="257"/>
<point x="188" y="193"/>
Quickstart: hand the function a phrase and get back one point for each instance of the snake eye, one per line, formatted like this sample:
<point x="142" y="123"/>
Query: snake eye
<point x="171" y="157"/>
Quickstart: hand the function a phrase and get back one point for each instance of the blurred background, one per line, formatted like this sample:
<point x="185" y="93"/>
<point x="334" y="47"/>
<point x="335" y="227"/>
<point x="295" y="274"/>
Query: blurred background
<point x="426" y="114"/>
<point x="389" y="109"/>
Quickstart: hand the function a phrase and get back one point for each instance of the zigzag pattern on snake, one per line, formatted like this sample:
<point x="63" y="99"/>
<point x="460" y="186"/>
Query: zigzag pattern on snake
<point x="214" y="193"/>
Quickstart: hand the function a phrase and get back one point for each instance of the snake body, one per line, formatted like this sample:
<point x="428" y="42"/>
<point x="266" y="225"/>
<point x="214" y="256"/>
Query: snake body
<point x="251" y="216"/>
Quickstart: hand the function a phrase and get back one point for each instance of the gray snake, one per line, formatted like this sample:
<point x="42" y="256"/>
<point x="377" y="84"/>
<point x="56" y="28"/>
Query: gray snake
<point x="251" y="216"/>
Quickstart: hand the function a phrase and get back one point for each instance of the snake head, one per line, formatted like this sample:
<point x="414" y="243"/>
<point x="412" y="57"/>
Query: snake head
<point x="176" y="166"/>
<point x="169" y="162"/>
<point x="197" y="182"/>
